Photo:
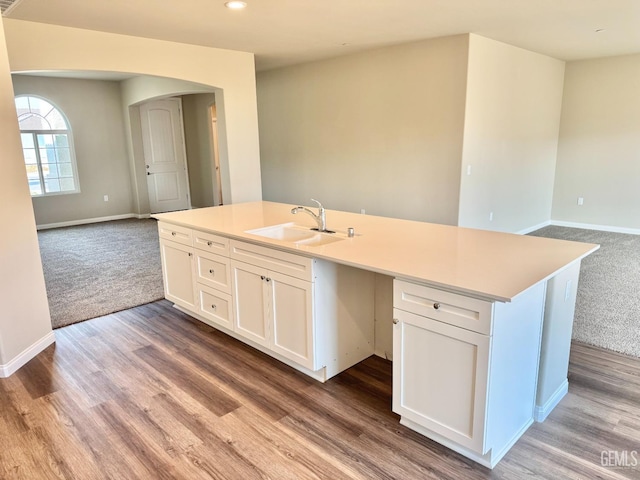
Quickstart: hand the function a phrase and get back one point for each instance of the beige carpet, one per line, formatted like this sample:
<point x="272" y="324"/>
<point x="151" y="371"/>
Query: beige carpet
<point x="96" y="269"/>
<point x="608" y="303"/>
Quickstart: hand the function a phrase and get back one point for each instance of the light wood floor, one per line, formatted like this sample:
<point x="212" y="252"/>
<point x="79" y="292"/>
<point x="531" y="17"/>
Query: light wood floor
<point x="150" y="393"/>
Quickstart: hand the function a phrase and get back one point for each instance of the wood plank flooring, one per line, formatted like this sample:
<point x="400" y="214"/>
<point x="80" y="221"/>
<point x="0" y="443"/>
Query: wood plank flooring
<point x="151" y="393"/>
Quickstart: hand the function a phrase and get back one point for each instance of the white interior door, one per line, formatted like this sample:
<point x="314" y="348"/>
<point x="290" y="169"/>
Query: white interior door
<point x="164" y="153"/>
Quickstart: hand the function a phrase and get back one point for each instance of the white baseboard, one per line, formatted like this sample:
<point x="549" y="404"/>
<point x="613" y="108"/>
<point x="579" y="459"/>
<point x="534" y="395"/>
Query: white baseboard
<point x="92" y="220"/>
<point x="585" y="226"/>
<point x="383" y="354"/>
<point x="591" y="226"/>
<point x="534" y="228"/>
<point x="10" y="368"/>
<point x="541" y="412"/>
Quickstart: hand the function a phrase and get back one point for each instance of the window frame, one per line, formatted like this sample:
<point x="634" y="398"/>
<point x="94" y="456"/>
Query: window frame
<point x="70" y="145"/>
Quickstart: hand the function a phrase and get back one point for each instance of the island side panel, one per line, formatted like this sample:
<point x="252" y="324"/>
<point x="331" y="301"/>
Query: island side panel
<point x="556" y="339"/>
<point x="513" y="376"/>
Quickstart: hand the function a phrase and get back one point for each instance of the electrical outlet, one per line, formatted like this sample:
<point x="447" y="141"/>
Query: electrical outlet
<point x="362" y="211"/>
<point x="468" y="169"/>
<point x="106" y="198"/>
<point x="491" y="216"/>
<point x="580" y="201"/>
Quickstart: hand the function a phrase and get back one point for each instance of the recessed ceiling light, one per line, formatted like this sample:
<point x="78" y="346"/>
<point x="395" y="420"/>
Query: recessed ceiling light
<point x="236" y="5"/>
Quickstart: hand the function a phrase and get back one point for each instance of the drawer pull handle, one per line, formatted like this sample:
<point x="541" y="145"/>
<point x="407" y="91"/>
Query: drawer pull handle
<point x="213" y="307"/>
<point x="190" y="254"/>
<point x="209" y="243"/>
<point x="436" y="305"/>
<point x="212" y="271"/>
<point x="173" y="234"/>
<point x="395" y="321"/>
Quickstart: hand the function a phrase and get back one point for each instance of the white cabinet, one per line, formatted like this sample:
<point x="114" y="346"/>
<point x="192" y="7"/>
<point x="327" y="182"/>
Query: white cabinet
<point x="440" y="378"/>
<point x="212" y="274"/>
<point x="273" y="309"/>
<point x="314" y="315"/>
<point x="250" y="302"/>
<point x="464" y="369"/>
<point x="291" y="303"/>
<point x="310" y="313"/>
<point x="178" y="271"/>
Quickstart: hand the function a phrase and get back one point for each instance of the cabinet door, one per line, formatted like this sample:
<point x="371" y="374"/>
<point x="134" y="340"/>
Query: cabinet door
<point x="291" y="312"/>
<point x="250" y="298"/>
<point x="440" y="378"/>
<point x="178" y="273"/>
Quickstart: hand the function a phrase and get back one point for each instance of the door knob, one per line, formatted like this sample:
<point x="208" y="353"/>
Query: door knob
<point x="395" y="321"/>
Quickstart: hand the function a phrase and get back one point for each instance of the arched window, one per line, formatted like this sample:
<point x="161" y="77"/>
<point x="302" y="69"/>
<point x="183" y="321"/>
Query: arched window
<point x="47" y="146"/>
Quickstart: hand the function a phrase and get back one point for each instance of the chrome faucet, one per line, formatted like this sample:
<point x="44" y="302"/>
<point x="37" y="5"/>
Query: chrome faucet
<point x="320" y="218"/>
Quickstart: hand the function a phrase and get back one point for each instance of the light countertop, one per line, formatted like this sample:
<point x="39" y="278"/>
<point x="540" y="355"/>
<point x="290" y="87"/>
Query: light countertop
<point x="486" y="264"/>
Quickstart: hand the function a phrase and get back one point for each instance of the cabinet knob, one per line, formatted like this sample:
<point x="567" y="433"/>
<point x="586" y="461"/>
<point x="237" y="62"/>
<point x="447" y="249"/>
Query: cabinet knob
<point x="209" y="243"/>
<point x="212" y="271"/>
<point x="268" y="279"/>
<point x="262" y="277"/>
<point x="395" y="321"/>
<point x="173" y="234"/>
<point x="190" y="254"/>
<point x="213" y="307"/>
<point x="436" y="305"/>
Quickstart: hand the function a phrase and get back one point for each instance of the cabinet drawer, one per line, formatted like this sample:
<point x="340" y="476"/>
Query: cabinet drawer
<point x="213" y="270"/>
<point x="211" y="243"/>
<point x="215" y="306"/>
<point x="451" y="308"/>
<point x="175" y="233"/>
<point x="281" y="262"/>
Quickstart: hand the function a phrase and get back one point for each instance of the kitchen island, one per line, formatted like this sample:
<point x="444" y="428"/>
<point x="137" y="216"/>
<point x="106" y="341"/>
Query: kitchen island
<point x="468" y="308"/>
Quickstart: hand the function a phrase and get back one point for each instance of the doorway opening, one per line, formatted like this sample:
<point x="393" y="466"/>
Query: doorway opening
<point x="215" y="155"/>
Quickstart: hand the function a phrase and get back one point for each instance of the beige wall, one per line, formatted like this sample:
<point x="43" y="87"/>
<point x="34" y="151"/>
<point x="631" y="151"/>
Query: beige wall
<point x="514" y="98"/>
<point x="231" y="71"/>
<point x="94" y="111"/>
<point x="599" y="154"/>
<point x="25" y="312"/>
<point x="25" y="319"/>
<point x="380" y="130"/>
<point x="199" y="146"/>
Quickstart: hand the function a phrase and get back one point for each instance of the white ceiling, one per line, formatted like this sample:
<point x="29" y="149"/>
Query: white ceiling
<point x="286" y="32"/>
